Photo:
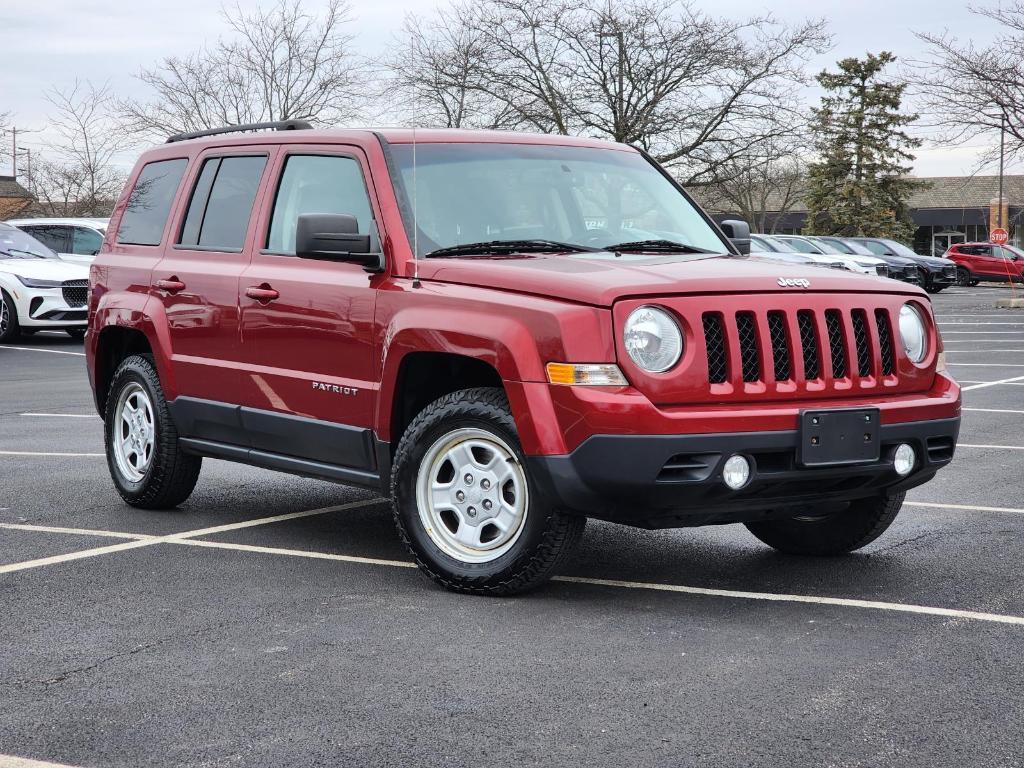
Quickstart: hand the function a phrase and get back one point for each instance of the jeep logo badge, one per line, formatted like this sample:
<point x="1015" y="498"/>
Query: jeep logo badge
<point x="798" y="282"/>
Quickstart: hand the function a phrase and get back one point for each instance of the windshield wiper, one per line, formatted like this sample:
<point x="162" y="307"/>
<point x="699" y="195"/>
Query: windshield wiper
<point x="15" y="251"/>
<point x="657" y="246"/>
<point x="511" y="246"/>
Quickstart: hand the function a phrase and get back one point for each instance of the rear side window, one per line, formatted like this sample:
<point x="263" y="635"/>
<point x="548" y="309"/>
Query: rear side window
<point x="317" y="184"/>
<point x="150" y="202"/>
<point x="54" y="238"/>
<point x="221" y="205"/>
<point x="86" y="241"/>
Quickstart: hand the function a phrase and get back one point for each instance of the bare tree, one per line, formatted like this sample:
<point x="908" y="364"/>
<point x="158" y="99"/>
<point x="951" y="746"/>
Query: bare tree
<point x="762" y="190"/>
<point x="279" y="63"/>
<point x="697" y="92"/>
<point x="968" y="89"/>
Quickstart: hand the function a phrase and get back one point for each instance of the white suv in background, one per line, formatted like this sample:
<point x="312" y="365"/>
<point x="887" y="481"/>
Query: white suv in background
<point x="76" y="240"/>
<point x="38" y="290"/>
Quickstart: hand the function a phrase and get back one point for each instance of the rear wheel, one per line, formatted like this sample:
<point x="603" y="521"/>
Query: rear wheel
<point x="148" y="467"/>
<point x="832" y="534"/>
<point x="464" y="503"/>
<point x="8" y="318"/>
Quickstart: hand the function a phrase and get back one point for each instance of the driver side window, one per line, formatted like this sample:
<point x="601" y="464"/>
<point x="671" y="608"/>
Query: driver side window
<point x="317" y="184"/>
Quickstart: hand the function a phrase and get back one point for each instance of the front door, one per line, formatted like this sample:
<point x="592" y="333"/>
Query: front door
<point x="307" y="324"/>
<point x="197" y="281"/>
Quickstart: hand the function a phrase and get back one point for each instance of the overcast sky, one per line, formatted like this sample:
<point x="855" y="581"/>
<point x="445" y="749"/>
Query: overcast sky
<point x="50" y="43"/>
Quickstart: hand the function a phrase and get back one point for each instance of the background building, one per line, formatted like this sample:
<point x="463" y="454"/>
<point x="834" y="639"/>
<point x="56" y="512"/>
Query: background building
<point x="950" y="209"/>
<point x="14" y="198"/>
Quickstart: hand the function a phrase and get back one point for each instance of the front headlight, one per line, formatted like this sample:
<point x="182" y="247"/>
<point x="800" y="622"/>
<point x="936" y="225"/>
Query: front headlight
<point x="653" y="339"/>
<point x="29" y="282"/>
<point x="912" y="330"/>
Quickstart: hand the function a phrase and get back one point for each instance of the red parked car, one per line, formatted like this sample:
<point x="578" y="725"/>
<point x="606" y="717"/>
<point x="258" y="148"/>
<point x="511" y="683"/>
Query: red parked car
<point x="984" y="261"/>
<point x="507" y="334"/>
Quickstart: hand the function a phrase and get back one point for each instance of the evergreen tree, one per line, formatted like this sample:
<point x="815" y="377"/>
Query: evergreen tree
<point x="859" y="185"/>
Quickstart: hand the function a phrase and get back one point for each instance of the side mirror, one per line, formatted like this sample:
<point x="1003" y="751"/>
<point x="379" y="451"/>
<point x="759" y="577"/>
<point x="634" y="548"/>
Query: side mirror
<point x="739" y="233"/>
<point x="335" y="237"/>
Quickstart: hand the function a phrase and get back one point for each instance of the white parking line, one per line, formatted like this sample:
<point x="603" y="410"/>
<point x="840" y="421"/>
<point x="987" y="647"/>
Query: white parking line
<point x="74" y="531"/>
<point x="784" y="598"/>
<point x="984" y="384"/>
<point x="1001" y="447"/>
<point x="62" y="415"/>
<point x="297" y="553"/>
<point x="174" y="537"/>
<point x="48" y="453"/>
<point x="990" y="365"/>
<point x="10" y="761"/>
<point x="40" y="349"/>
<point x="991" y="410"/>
<point x="967" y="507"/>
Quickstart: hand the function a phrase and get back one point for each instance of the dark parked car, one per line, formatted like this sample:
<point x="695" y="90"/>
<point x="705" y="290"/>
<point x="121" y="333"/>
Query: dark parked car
<point x="900" y="267"/>
<point x="941" y="273"/>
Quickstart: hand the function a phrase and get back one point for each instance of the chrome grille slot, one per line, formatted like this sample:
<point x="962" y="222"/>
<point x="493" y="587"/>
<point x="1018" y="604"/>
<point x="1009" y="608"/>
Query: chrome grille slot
<point x="780" y="345"/>
<point x="714" y="341"/>
<point x="749" y="354"/>
<point x="836" y="342"/>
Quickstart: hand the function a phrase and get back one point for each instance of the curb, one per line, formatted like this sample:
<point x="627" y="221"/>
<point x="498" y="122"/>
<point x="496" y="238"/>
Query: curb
<point x="1009" y="303"/>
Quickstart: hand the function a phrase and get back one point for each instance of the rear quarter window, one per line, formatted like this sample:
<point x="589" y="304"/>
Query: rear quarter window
<point x="149" y="204"/>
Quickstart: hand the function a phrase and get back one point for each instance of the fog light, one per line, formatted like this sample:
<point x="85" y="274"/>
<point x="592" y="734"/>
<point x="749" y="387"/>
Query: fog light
<point x="736" y="472"/>
<point x="904" y="460"/>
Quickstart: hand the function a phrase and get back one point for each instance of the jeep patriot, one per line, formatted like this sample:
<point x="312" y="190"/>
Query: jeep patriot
<point x="506" y="334"/>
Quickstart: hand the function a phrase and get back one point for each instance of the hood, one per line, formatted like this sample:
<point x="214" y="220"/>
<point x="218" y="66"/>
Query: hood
<point x="44" y="269"/>
<point x="934" y="261"/>
<point x="600" y="279"/>
<point x="77" y="258"/>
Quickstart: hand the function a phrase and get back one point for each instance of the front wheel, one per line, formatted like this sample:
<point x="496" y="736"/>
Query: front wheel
<point x="963" y="277"/>
<point x="833" y="534"/>
<point x="75" y="333"/>
<point x="465" y="505"/>
<point x="146" y="463"/>
<point x="8" y="318"/>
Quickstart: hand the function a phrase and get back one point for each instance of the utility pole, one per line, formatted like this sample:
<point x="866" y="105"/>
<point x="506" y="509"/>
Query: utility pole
<point x="14" y="152"/>
<point x="621" y="100"/>
<point x="1002" y="160"/>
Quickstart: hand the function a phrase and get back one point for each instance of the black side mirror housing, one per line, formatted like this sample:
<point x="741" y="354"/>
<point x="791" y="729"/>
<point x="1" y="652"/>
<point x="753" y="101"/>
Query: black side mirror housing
<point x="335" y="237"/>
<point x="739" y="233"/>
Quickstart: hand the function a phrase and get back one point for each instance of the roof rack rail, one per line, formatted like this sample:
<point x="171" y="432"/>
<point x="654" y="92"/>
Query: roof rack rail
<point x="277" y="125"/>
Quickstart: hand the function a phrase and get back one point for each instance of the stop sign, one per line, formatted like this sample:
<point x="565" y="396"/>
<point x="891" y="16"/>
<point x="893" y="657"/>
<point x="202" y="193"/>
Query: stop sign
<point x="999" y="236"/>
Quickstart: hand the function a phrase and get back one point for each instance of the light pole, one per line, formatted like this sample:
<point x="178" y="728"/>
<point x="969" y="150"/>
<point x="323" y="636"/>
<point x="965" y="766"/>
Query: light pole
<point x="1002" y="161"/>
<point x="620" y="117"/>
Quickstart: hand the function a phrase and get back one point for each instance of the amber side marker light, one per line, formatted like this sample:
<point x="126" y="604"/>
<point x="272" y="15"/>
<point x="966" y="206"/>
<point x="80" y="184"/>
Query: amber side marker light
<point x="586" y="374"/>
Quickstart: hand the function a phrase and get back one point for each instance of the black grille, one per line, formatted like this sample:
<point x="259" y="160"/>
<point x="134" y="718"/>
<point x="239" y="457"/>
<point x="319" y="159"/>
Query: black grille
<point x="885" y="342"/>
<point x="748" y="346"/>
<point x="809" y="343"/>
<point x="714" y="340"/>
<point x="780" y="345"/>
<point x="860" y="335"/>
<point x="76" y="292"/>
<point x="836" y="342"/>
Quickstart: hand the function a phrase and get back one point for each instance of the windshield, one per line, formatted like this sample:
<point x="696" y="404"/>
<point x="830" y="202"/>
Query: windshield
<point x="15" y="244"/>
<point x="780" y="245"/>
<point x="584" y="197"/>
<point x="900" y="249"/>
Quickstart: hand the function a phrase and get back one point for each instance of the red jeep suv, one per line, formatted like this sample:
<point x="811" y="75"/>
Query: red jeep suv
<point x="507" y="334"/>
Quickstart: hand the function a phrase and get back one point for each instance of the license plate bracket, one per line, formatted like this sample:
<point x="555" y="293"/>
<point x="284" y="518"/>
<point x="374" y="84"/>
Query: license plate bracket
<point x="835" y="437"/>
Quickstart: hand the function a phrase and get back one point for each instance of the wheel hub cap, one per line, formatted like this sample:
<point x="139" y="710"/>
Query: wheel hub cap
<point x="134" y="435"/>
<point x="472" y="495"/>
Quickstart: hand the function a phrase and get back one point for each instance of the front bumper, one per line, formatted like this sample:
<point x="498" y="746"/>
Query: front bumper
<point x="941" y="277"/>
<point x="667" y="481"/>
<point x="42" y="308"/>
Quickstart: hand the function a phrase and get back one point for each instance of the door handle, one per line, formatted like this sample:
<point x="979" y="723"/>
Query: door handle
<point x="262" y="293"/>
<point x="172" y="285"/>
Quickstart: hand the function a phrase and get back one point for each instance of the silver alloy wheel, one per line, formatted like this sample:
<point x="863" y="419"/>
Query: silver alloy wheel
<point x="5" y="315"/>
<point x="472" y="495"/>
<point x="134" y="437"/>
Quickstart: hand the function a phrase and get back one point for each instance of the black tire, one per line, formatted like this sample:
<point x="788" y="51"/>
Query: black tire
<point x="547" y="535"/>
<point x="835" y="534"/>
<point x="75" y="333"/>
<point x="963" y="277"/>
<point x="9" y="328"/>
<point x="172" y="474"/>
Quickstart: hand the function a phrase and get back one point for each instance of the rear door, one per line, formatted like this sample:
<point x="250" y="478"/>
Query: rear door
<point x="307" y="324"/>
<point x="197" y="282"/>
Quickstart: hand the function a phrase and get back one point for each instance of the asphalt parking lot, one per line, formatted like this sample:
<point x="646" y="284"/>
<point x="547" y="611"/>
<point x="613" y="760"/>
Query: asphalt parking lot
<point x="276" y="621"/>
